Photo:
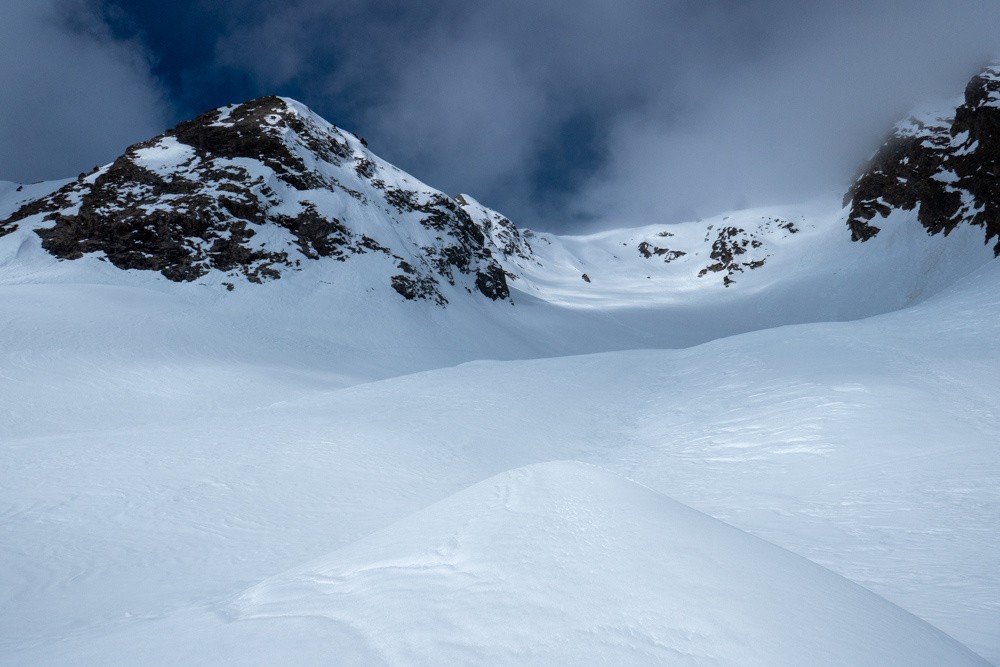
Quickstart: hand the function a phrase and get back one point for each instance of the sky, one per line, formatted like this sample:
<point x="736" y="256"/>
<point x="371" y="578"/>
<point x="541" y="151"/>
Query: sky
<point x="563" y="115"/>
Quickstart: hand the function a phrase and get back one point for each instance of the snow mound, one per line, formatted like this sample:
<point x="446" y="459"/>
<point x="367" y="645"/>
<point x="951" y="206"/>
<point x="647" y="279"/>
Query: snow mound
<point x="564" y="563"/>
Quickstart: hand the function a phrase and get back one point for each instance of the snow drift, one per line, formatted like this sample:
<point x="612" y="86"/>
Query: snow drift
<point x="563" y="563"/>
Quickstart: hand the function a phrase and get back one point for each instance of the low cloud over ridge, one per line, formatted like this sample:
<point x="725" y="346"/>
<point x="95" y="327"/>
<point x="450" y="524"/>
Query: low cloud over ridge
<point x="574" y="115"/>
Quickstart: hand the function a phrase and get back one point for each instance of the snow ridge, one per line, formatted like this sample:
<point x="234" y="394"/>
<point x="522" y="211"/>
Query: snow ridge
<point x="566" y="563"/>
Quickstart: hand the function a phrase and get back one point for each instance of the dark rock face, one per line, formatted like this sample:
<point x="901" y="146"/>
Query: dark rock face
<point x="467" y="253"/>
<point x="648" y="250"/>
<point x="214" y="191"/>
<point x="493" y="283"/>
<point x="735" y="250"/>
<point x="502" y="235"/>
<point x="947" y="168"/>
<point x="728" y="250"/>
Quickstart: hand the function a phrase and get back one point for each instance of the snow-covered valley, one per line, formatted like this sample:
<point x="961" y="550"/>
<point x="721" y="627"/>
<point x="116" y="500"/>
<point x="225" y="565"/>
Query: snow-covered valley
<point x="321" y="469"/>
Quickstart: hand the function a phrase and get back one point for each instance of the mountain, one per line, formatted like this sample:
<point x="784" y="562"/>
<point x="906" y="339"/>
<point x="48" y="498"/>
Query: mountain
<point x="267" y="216"/>
<point x="253" y="192"/>
<point x="258" y="189"/>
<point x="942" y="163"/>
<point x="215" y="368"/>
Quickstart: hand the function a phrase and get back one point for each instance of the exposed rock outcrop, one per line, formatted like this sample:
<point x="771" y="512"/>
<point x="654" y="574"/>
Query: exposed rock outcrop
<point x="259" y="189"/>
<point x="946" y="166"/>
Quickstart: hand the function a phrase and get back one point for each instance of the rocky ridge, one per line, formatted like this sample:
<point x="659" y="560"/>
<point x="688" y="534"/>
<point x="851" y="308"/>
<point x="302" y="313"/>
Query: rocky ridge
<point x="945" y="165"/>
<point x="255" y="191"/>
<point x="250" y="193"/>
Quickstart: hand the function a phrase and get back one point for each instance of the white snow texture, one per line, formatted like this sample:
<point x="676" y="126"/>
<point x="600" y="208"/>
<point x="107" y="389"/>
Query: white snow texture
<point x="644" y="467"/>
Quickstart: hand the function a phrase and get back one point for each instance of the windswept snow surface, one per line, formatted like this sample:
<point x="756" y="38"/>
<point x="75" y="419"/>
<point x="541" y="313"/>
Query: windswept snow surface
<point x="167" y="447"/>
<point x="15" y="195"/>
<point x="556" y="563"/>
<point x="563" y="563"/>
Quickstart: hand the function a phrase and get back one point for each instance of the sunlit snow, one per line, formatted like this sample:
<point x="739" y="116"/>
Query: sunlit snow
<point x="318" y="471"/>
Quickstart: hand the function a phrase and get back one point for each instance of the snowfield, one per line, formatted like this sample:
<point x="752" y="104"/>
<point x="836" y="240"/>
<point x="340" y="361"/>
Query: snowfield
<point x="558" y="562"/>
<point x="539" y="482"/>
<point x="561" y="562"/>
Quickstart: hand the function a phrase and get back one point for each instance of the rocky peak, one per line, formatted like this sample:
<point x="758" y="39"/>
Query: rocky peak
<point x="945" y="165"/>
<point x="503" y="237"/>
<point x="259" y="189"/>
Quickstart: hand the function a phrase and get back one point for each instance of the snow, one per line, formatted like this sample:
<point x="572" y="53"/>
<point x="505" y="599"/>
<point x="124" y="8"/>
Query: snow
<point x="15" y="195"/>
<point x="168" y="156"/>
<point x="564" y="563"/>
<point x="169" y="450"/>
<point x="556" y="563"/>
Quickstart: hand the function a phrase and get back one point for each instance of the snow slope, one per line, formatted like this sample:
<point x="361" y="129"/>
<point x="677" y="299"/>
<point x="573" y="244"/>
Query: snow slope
<point x="168" y="446"/>
<point x="556" y="563"/>
<point x="345" y="312"/>
<point x="564" y="563"/>
<point x="868" y="447"/>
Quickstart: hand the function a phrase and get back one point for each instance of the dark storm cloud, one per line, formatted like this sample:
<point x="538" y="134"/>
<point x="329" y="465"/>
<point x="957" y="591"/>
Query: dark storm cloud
<point x="72" y="95"/>
<point x="795" y="119"/>
<point x="511" y="101"/>
<point x="559" y="113"/>
<point x="626" y="112"/>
